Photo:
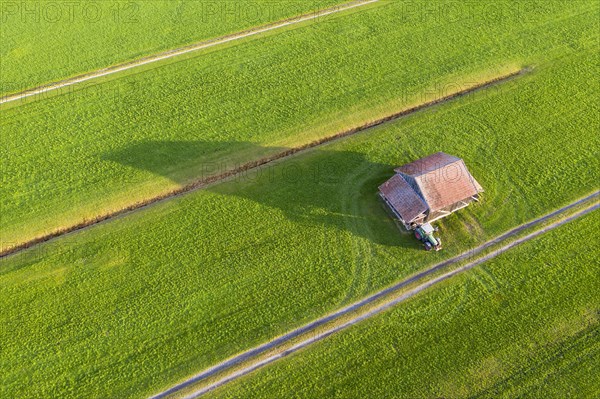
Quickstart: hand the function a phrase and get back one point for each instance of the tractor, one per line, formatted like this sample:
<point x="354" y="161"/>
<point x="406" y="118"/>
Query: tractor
<point x="424" y="233"/>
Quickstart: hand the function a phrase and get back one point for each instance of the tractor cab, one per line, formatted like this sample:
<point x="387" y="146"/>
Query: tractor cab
<point x="424" y="233"/>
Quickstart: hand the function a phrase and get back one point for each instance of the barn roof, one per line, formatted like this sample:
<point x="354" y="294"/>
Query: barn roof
<point x="403" y="198"/>
<point x="438" y="181"/>
<point x="446" y="185"/>
<point x="428" y="164"/>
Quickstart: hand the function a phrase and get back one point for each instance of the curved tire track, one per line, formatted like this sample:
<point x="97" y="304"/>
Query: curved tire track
<point x="286" y="338"/>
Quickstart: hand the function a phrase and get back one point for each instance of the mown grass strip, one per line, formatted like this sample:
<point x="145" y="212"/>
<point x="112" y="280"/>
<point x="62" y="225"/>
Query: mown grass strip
<point x="200" y="183"/>
<point x="183" y="50"/>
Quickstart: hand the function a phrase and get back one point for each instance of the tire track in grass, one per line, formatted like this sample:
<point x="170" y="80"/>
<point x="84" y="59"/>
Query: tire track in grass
<point x="252" y="165"/>
<point x="361" y="251"/>
<point x="182" y="50"/>
<point x="363" y="304"/>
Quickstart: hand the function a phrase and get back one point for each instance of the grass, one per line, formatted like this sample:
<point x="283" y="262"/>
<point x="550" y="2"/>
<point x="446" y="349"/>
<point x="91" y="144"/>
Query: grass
<point x="75" y="156"/>
<point x="525" y="324"/>
<point x="129" y="307"/>
<point x="100" y="34"/>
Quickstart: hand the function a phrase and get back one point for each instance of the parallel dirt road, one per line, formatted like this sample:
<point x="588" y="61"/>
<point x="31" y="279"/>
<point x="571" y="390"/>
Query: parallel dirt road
<point x="255" y="353"/>
<point x="183" y="50"/>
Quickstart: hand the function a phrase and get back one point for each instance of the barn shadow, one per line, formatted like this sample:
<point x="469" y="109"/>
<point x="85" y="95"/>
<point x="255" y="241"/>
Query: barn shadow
<point x="183" y="161"/>
<point x="320" y="187"/>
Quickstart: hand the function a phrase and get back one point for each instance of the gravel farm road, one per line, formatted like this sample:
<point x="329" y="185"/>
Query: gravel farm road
<point x="183" y="50"/>
<point x="254" y="353"/>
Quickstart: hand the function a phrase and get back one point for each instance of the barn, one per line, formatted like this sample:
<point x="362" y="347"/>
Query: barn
<point x="429" y="189"/>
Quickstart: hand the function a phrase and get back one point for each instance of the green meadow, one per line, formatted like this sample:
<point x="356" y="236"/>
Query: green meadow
<point x="525" y="325"/>
<point x="45" y="41"/>
<point x="131" y="306"/>
<point x="72" y="157"/>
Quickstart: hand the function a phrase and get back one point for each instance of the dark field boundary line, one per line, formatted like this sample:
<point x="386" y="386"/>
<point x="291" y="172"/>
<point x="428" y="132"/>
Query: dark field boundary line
<point x="249" y="166"/>
<point x="363" y="304"/>
<point x="182" y="50"/>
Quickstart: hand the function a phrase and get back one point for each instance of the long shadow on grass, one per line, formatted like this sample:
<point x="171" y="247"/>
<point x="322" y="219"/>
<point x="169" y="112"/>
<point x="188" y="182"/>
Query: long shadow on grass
<point x="320" y="187"/>
<point x="185" y="161"/>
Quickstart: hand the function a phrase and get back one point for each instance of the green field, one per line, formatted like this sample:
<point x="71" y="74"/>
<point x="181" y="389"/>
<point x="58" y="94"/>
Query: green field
<point x="131" y="306"/>
<point x="75" y="156"/>
<point x="97" y="34"/>
<point x="525" y="325"/>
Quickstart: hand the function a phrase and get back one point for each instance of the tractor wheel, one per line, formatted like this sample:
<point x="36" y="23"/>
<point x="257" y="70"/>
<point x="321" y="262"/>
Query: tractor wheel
<point x="428" y="246"/>
<point x="418" y="235"/>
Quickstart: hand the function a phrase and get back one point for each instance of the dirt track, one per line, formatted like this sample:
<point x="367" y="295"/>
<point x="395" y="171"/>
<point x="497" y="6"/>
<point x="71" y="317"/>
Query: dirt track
<point x="201" y="183"/>
<point x="254" y="353"/>
<point x="183" y="50"/>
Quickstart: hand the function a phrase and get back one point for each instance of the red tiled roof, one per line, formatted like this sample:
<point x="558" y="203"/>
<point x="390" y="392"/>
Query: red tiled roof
<point x="446" y="185"/>
<point x="427" y="164"/>
<point x="403" y="198"/>
<point x="431" y="183"/>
